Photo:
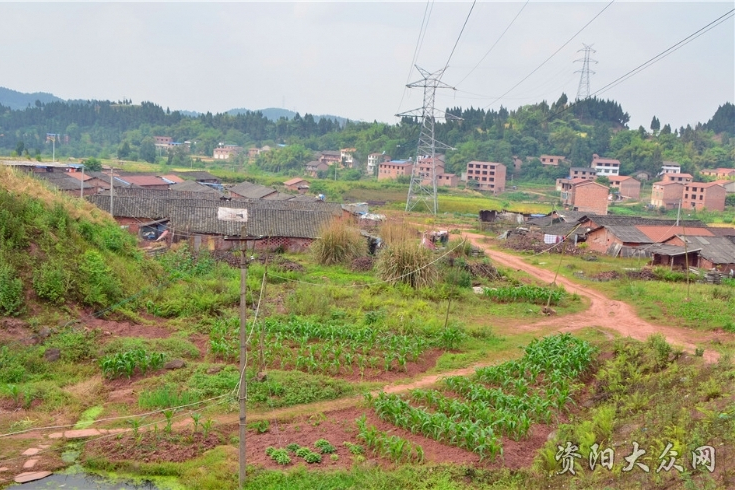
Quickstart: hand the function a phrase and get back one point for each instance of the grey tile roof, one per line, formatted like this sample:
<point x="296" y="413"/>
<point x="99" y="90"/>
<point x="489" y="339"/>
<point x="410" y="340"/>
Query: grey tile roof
<point x="197" y="175"/>
<point x="670" y="250"/>
<point x="717" y="249"/>
<point x="192" y="186"/>
<point x="61" y="181"/>
<point x="265" y="218"/>
<point x="629" y="234"/>
<point x="252" y="191"/>
<point x="562" y="217"/>
<point x="163" y="194"/>
<point x="611" y="220"/>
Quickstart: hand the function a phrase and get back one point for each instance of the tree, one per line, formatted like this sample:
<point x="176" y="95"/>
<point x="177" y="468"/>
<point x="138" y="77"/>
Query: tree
<point x="147" y="150"/>
<point x="19" y="148"/>
<point x="666" y="129"/>
<point x="124" y="151"/>
<point x="92" y="164"/>
<point x="655" y="124"/>
<point x="601" y="179"/>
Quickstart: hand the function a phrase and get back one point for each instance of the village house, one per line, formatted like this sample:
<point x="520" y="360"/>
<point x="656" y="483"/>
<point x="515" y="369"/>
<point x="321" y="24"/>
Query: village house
<point x="314" y="167"/>
<point x="200" y="176"/>
<point x="197" y="187"/>
<point x="627" y="187"/>
<point x="172" y="179"/>
<point x="248" y="190"/>
<point x="704" y="195"/>
<point x="489" y="176"/>
<point x="163" y="141"/>
<point x="552" y="160"/>
<point x="346" y="155"/>
<point x="375" y="159"/>
<point x="719" y="173"/>
<point x="641" y="175"/>
<point x="618" y="235"/>
<point x="710" y="252"/>
<point x="447" y="180"/>
<point x="729" y="185"/>
<point x="394" y="169"/>
<point x="586" y="196"/>
<point x="330" y="157"/>
<point x="224" y="152"/>
<point x="145" y="181"/>
<point x="677" y="177"/>
<point x="605" y="166"/>
<point x="666" y="194"/>
<point x="670" y="168"/>
<point x="271" y="225"/>
<point x="297" y="184"/>
<point x="584" y="173"/>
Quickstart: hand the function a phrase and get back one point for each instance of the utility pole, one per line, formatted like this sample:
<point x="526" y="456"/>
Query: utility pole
<point x="418" y="190"/>
<point x="583" y="91"/>
<point x="112" y="191"/>
<point x="242" y="393"/>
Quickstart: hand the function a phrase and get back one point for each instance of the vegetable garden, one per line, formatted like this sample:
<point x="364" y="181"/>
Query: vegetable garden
<point x="505" y="400"/>
<point x="316" y="348"/>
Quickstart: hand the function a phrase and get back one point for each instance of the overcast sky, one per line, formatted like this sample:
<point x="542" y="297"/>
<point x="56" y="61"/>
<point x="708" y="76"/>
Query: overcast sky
<point x="352" y="59"/>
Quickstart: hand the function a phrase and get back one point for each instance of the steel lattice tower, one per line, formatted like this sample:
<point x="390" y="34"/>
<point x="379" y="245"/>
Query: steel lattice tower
<point x="583" y="91"/>
<point x="418" y="190"/>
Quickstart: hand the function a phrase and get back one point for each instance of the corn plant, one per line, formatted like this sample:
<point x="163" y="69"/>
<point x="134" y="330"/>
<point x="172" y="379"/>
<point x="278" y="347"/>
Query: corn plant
<point x="526" y="294"/>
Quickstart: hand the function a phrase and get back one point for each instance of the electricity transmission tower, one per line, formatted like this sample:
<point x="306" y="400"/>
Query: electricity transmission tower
<point x="584" y="80"/>
<point x="422" y="188"/>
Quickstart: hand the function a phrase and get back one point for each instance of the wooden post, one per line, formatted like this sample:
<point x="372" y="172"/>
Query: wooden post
<point x="242" y="394"/>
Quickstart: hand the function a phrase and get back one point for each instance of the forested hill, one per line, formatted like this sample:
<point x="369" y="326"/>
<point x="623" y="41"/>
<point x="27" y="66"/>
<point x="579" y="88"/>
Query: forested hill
<point x="18" y="100"/>
<point x="576" y="130"/>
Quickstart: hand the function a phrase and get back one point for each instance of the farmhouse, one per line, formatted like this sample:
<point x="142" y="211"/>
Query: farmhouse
<point x="586" y="196"/>
<point x="704" y="195"/>
<point x="394" y="169"/>
<point x="627" y="187"/>
<point x="489" y="176"/>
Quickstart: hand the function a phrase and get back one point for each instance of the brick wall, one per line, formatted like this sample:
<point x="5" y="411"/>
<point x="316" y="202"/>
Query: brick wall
<point x="591" y="198"/>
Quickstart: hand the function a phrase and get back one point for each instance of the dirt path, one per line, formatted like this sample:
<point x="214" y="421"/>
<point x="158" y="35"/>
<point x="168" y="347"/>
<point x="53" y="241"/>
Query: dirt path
<point x="603" y="312"/>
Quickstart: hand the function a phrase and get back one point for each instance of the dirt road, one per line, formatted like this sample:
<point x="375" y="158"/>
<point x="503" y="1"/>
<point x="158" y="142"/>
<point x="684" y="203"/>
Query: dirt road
<point x="603" y="312"/>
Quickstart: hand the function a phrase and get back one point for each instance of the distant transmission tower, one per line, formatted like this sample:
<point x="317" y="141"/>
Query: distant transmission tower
<point x="423" y="185"/>
<point x="584" y="80"/>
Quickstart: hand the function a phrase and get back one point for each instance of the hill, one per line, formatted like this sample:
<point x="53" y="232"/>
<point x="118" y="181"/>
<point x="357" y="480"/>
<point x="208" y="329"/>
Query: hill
<point x="275" y="113"/>
<point x="18" y="100"/>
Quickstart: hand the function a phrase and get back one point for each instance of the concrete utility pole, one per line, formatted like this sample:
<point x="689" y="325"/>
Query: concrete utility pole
<point x="242" y="393"/>
<point x="112" y="191"/>
<point x="583" y="91"/>
<point x="418" y="190"/>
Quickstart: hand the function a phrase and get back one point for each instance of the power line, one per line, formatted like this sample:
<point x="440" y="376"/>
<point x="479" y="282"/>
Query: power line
<point x="552" y="54"/>
<point x="671" y="49"/>
<point x="495" y="43"/>
<point x="472" y="7"/>
<point x="663" y="54"/>
<point x="419" y="44"/>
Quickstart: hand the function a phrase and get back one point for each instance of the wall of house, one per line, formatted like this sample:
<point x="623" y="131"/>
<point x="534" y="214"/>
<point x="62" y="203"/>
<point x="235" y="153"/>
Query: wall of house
<point x="707" y="264"/>
<point x="216" y="242"/>
<point x="600" y="240"/>
<point x="630" y="188"/>
<point x="591" y="199"/>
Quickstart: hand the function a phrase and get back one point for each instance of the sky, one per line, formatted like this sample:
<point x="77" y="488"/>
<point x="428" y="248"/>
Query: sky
<point x="354" y="59"/>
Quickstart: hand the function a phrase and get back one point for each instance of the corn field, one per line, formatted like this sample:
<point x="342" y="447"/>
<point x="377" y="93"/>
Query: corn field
<point x="331" y="349"/>
<point x="503" y="400"/>
<point x="526" y="294"/>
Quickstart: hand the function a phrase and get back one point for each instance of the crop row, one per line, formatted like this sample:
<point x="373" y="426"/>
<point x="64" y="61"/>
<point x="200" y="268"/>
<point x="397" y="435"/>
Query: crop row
<point x="120" y="363"/>
<point x="395" y="448"/>
<point x="471" y="435"/>
<point x="526" y="294"/>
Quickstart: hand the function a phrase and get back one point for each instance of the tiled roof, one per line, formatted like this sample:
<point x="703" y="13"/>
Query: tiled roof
<point x="721" y="230"/>
<point x="251" y="191"/>
<point x="191" y="186"/>
<point x="144" y="180"/>
<point x="629" y="234"/>
<point x="295" y="180"/>
<point x="611" y="220"/>
<point x="172" y="178"/>
<point x="265" y="218"/>
<point x="62" y="181"/>
<point x="660" y="233"/>
<point x="716" y="249"/>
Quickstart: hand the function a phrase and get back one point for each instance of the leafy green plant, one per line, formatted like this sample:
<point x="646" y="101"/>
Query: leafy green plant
<point x="261" y="426"/>
<point x="126" y="363"/>
<point x="324" y="446"/>
<point x="196" y="417"/>
<point x="11" y="290"/>
<point x="302" y="452"/>
<point x="280" y="456"/>
<point x="169" y="414"/>
<point x="525" y="294"/>
<point x="293" y="447"/>
<point x="52" y="282"/>
<point x="313" y="458"/>
<point x="354" y="448"/>
<point x="207" y="427"/>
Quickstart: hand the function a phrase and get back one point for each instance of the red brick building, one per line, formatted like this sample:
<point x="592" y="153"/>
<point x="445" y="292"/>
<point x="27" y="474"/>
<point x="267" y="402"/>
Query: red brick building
<point x="719" y="173"/>
<point x="704" y="195"/>
<point x="226" y="151"/>
<point x="490" y="176"/>
<point x="586" y="196"/>
<point x="394" y="169"/>
<point x="666" y="194"/>
<point x="626" y="186"/>
<point x="679" y="178"/>
<point x="553" y="160"/>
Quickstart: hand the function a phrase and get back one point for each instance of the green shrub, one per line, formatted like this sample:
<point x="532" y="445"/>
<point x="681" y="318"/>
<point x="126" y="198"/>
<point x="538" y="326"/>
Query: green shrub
<point x="664" y="274"/>
<point x="12" y="369"/>
<point x="324" y="446"/>
<point x="307" y="300"/>
<point x="407" y="262"/>
<point x="166" y="396"/>
<point x="52" y="281"/>
<point x="75" y="346"/>
<point x="11" y="290"/>
<point x="338" y="243"/>
<point x="99" y="286"/>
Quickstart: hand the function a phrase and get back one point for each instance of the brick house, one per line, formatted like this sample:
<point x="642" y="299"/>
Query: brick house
<point x="584" y="173"/>
<point x="626" y="186"/>
<point x="715" y="252"/>
<point x="163" y="141"/>
<point x="586" y="196"/>
<point x="314" y="167"/>
<point x="394" y="169"/>
<point x="677" y="177"/>
<point x="666" y="194"/>
<point x="447" y="180"/>
<point x="729" y="185"/>
<point x="719" y="173"/>
<point x="330" y="157"/>
<point x="605" y="166"/>
<point x="553" y="160"/>
<point x="490" y="176"/>
<point x="146" y="181"/>
<point x="224" y="152"/>
<point x="704" y="195"/>
<point x="297" y="184"/>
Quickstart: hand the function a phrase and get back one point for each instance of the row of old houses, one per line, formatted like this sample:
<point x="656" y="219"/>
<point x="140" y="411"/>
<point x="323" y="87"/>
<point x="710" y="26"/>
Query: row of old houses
<point x="670" y="242"/>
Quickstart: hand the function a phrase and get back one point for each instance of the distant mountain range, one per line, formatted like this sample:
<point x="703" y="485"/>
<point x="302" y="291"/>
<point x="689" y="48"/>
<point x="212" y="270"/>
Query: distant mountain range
<point x="18" y="101"/>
